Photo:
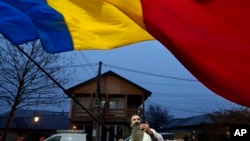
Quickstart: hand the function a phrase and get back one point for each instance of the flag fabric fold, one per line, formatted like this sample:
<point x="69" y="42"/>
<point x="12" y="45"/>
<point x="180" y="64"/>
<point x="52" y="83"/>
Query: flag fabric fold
<point x="209" y="37"/>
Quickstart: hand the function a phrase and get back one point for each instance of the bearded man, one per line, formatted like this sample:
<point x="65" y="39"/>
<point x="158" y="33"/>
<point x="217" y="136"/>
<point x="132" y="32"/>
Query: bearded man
<point x="148" y="134"/>
<point x="137" y="134"/>
<point x="142" y="131"/>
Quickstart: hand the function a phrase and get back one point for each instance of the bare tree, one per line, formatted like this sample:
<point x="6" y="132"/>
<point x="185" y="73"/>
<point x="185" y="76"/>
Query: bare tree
<point x="231" y="116"/>
<point x="157" y="116"/>
<point x="221" y="122"/>
<point x="22" y="84"/>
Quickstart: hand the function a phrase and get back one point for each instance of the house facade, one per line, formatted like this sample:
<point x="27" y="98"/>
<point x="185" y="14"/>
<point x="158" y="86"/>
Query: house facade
<point x="117" y="101"/>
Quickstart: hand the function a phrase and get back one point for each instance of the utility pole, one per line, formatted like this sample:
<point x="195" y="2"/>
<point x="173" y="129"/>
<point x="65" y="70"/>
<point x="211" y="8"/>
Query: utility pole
<point x="97" y="107"/>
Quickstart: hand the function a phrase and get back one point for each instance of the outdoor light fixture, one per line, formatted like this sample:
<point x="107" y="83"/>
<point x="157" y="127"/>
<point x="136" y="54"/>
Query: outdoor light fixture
<point x="34" y="133"/>
<point x="36" y="118"/>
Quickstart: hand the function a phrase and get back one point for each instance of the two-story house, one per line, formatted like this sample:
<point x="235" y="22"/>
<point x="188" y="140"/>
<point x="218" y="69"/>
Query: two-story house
<point x="119" y="99"/>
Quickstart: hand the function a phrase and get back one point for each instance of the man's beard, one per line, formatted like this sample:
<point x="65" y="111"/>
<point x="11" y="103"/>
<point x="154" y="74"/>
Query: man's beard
<point x="137" y="133"/>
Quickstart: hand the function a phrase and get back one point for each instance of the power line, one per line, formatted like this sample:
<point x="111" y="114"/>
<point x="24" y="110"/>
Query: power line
<point x="88" y="64"/>
<point x="83" y="56"/>
<point x="126" y="69"/>
<point x="147" y="73"/>
<point x="170" y="109"/>
<point x="76" y="66"/>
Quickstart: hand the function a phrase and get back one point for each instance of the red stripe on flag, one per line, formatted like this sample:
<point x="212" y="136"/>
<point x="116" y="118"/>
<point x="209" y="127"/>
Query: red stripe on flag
<point x="210" y="38"/>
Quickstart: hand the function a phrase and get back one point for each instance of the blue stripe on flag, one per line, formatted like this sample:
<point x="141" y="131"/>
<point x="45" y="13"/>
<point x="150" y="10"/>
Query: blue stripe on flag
<point x="15" y="25"/>
<point x="52" y="30"/>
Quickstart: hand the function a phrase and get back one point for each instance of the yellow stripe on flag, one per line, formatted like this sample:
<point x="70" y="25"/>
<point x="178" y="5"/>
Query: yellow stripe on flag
<point x="94" y="24"/>
<point x="131" y="8"/>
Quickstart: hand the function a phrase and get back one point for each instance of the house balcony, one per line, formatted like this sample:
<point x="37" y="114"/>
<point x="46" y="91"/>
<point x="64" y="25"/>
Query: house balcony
<point x="106" y="115"/>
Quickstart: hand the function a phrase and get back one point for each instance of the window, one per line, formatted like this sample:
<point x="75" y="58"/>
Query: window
<point x="113" y="104"/>
<point x="116" y="103"/>
<point x="56" y="138"/>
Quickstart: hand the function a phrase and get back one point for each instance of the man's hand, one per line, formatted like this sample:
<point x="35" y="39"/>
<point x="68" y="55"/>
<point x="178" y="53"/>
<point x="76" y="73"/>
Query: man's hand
<point x="145" y="127"/>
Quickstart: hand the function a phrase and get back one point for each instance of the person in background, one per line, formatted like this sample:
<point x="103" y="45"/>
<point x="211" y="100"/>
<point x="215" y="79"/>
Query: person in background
<point x="227" y="136"/>
<point x="193" y="136"/>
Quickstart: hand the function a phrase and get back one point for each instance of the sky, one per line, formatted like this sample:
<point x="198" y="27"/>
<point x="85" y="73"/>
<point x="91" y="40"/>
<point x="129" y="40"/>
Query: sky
<point x="150" y="65"/>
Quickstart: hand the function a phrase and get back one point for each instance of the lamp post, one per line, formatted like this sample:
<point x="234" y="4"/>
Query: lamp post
<point x="36" y="119"/>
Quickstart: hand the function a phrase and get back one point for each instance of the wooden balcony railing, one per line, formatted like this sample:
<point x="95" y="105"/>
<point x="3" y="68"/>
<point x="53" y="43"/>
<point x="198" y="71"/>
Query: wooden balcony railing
<point x="107" y="114"/>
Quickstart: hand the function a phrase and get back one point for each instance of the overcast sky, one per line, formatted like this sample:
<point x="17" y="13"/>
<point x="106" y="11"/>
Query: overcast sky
<point x="150" y="65"/>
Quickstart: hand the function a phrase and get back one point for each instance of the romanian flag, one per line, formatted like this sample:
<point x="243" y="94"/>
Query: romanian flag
<point x="211" y="38"/>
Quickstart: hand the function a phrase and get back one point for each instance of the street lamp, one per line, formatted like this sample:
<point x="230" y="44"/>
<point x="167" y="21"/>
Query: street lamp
<point x="36" y="119"/>
<point x="74" y="127"/>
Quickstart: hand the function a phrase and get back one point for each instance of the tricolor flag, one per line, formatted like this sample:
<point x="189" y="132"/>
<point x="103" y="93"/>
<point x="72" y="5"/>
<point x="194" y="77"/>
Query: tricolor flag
<point x="211" y="38"/>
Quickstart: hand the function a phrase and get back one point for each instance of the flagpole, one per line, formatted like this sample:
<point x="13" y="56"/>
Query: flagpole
<point x="66" y="92"/>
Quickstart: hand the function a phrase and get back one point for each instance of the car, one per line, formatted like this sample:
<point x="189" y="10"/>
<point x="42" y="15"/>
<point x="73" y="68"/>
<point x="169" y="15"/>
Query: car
<point x="67" y="137"/>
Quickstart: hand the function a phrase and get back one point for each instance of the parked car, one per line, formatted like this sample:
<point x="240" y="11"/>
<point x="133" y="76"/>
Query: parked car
<point x="67" y="137"/>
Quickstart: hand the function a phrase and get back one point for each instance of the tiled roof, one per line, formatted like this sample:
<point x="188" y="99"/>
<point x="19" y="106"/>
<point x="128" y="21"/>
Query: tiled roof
<point x="190" y="121"/>
<point x="114" y="74"/>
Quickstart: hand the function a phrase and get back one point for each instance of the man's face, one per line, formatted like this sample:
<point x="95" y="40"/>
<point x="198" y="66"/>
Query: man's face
<point x="135" y="119"/>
